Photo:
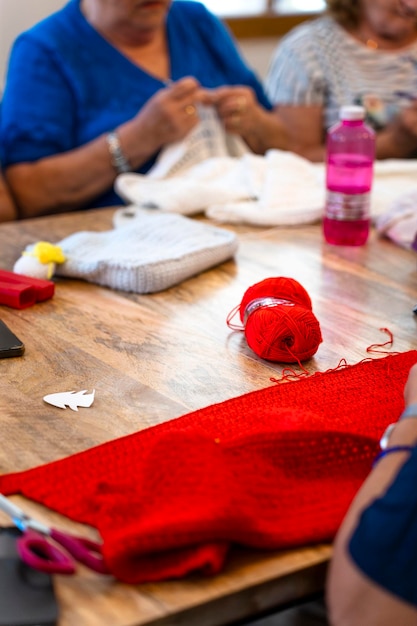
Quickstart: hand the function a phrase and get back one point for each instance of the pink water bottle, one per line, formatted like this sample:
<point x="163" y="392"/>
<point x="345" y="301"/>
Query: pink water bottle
<point x="349" y="173"/>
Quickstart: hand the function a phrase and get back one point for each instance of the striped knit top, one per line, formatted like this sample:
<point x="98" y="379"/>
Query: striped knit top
<point x="319" y="63"/>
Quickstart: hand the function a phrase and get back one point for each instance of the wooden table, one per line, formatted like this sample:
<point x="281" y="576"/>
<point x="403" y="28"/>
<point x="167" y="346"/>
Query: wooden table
<point x="152" y="358"/>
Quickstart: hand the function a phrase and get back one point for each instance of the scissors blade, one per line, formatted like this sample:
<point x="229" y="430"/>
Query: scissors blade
<point x="12" y="510"/>
<point x="21" y="519"/>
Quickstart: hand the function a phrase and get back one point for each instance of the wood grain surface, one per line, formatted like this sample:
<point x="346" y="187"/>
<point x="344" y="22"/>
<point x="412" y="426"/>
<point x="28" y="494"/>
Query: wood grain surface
<point x="152" y="358"/>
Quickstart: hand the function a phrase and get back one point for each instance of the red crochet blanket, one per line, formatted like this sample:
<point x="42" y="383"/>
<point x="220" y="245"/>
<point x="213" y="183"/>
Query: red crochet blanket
<point x="275" y="468"/>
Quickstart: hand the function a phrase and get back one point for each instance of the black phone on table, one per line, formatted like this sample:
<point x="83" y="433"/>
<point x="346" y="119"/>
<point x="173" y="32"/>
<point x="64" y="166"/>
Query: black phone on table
<point x="10" y="345"/>
<point x="27" y="597"/>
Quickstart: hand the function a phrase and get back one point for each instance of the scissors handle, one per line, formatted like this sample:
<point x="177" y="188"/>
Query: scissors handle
<point x="36" y="551"/>
<point x="82" y="549"/>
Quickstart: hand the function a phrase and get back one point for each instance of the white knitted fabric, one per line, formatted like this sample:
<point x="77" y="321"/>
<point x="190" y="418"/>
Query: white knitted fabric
<point x="150" y="252"/>
<point x="392" y="179"/>
<point x="196" y="172"/>
<point x="287" y="191"/>
<point x="212" y="172"/>
<point x="399" y="223"/>
<point x="213" y="181"/>
<point x="206" y="140"/>
<point x="280" y="188"/>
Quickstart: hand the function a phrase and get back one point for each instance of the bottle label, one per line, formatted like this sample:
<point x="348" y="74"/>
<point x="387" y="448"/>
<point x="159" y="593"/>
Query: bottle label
<point x="347" y="207"/>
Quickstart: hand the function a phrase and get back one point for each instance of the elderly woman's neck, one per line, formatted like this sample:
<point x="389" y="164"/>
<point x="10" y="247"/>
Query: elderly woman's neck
<point x="145" y="45"/>
<point x="122" y="33"/>
<point x="383" y="40"/>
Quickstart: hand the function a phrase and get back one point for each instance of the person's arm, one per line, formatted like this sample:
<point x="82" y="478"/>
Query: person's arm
<point x="398" y="140"/>
<point x="72" y="179"/>
<point x="7" y="206"/>
<point x="353" y="598"/>
<point x="306" y="135"/>
<point x="304" y="127"/>
<point x="297" y="87"/>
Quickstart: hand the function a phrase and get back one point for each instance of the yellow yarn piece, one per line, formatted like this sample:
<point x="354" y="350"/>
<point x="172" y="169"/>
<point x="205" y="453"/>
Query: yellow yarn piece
<point x="47" y="253"/>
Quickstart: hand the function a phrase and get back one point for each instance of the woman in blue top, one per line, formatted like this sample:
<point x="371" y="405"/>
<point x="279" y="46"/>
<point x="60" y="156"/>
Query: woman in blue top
<point x="101" y="86"/>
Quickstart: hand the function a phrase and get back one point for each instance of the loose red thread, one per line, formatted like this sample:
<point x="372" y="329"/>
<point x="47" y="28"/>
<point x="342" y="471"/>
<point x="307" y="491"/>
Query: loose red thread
<point x="230" y="317"/>
<point x="289" y="374"/>
<point x="373" y="347"/>
<point x="278" y="321"/>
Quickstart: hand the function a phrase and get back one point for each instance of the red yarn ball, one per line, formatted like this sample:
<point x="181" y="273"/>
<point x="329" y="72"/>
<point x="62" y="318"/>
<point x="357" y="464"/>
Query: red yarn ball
<point x="279" y="321"/>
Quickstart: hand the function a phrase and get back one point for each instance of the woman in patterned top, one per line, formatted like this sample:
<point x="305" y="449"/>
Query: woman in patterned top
<point x="359" y="52"/>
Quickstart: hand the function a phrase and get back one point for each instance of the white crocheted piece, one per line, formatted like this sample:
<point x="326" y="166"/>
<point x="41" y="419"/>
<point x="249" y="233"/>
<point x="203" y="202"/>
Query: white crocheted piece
<point x="399" y="223"/>
<point x="150" y="253"/>
<point x="280" y="188"/>
<point x="213" y="172"/>
<point x="206" y="140"/>
<point x="286" y="191"/>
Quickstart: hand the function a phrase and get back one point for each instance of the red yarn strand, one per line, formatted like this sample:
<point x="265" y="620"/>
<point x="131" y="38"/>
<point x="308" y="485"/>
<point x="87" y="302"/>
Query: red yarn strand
<point x="230" y="317"/>
<point x="374" y="346"/>
<point x="290" y="374"/>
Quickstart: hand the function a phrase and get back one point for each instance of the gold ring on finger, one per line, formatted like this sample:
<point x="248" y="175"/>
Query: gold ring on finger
<point x="190" y="109"/>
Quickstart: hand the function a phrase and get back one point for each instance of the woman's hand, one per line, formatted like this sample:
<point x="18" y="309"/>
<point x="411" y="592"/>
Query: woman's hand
<point x="408" y="118"/>
<point x="399" y="138"/>
<point x="169" y="115"/>
<point x="237" y="107"/>
<point x="241" y="114"/>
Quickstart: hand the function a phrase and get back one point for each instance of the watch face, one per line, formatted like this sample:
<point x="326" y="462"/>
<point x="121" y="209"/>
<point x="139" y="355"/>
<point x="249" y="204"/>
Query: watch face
<point x="385" y="437"/>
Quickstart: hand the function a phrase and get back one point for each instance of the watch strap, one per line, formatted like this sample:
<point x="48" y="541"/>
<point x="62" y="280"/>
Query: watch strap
<point x="409" y="411"/>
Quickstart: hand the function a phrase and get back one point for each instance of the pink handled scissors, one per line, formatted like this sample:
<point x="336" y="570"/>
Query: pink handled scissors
<point x="36" y="550"/>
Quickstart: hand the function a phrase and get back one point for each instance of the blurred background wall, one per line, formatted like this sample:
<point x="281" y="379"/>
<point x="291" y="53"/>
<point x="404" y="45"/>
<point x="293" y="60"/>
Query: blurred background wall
<point x="17" y="15"/>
